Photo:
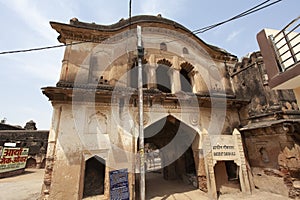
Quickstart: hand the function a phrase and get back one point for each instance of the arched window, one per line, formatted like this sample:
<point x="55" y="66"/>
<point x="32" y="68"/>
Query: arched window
<point x="185" y="79"/>
<point x="163" y="82"/>
<point x="134" y="74"/>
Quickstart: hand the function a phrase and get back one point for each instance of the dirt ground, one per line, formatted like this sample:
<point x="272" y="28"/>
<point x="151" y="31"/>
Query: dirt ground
<point x="158" y="188"/>
<point x="28" y="187"/>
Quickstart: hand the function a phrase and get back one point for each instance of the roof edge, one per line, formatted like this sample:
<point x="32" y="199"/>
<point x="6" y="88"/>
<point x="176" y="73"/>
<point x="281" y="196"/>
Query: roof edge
<point x="125" y="23"/>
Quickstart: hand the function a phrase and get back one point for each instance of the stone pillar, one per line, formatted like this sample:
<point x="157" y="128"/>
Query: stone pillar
<point x="38" y="161"/>
<point x="193" y="82"/>
<point x="209" y="167"/>
<point x="200" y="167"/>
<point x="151" y="72"/>
<point x="243" y="173"/>
<point x="65" y="63"/>
<point x="174" y="74"/>
<point x="106" y="182"/>
<point x="199" y="84"/>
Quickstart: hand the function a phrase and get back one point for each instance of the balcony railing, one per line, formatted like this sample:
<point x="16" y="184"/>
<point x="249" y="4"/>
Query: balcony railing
<point x="286" y="45"/>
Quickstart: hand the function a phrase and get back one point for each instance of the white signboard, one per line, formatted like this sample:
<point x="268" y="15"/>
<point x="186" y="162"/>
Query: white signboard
<point x="12" y="158"/>
<point x="223" y="147"/>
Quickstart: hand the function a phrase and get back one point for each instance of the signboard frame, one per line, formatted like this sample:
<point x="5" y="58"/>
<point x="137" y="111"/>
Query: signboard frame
<point x="13" y="158"/>
<point x="119" y="187"/>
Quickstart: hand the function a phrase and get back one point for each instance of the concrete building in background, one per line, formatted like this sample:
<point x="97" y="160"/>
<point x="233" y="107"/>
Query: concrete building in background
<point x="209" y="119"/>
<point x="281" y="52"/>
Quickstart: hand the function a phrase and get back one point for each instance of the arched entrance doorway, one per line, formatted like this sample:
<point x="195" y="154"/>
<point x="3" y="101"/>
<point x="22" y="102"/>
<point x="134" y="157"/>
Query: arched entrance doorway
<point x="172" y="142"/>
<point x="227" y="177"/>
<point x="94" y="176"/>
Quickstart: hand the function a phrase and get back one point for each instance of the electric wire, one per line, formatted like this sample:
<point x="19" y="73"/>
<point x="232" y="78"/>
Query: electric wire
<point x="195" y="32"/>
<point x="40" y="48"/>
<point x="243" y="14"/>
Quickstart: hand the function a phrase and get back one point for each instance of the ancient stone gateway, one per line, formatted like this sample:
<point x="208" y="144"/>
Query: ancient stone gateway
<point x="189" y="104"/>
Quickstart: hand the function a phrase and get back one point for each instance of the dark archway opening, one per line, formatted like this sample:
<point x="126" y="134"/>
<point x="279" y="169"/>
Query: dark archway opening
<point x="43" y="163"/>
<point x="94" y="175"/>
<point x="227" y="178"/>
<point x="185" y="77"/>
<point x="31" y="163"/>
<point x="174" y="161"/>
<point x="163" y="79"/>
<point x="232" y="170"/>
<point x="152" y="157"/>
<point x="163" y="82"/>
<point x="134" y="74"/>
<point x="185" y="80"/>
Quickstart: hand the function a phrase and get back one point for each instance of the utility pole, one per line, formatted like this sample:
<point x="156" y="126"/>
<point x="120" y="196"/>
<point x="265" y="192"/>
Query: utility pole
<point x="141" y="120"/>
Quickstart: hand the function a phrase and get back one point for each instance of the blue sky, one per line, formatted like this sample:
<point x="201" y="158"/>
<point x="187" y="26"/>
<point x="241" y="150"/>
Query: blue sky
<point x="25" y="24"/>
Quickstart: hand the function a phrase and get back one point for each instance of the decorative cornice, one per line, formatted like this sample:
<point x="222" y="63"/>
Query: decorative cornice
<point x="91" y="32"/>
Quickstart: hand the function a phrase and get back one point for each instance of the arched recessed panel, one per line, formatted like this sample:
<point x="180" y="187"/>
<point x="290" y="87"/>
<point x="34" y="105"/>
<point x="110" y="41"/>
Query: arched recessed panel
<point x="163" y="46"/>
<point x="185" y="50"/>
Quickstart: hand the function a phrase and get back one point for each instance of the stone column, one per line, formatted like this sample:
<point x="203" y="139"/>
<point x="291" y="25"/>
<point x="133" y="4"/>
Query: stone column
<point x="106" y="182"/>
<point x="151" y="72"/>
<point x="194" y="83"/>
<point x="201" y="173"/>
<point x="243" y="174"/>
<point x="209" y="167"/>
<point x="65" y="63"/>
<point x="199" y="84"/>
<point x="174" y="74"/>
<point x="38" y="161"/>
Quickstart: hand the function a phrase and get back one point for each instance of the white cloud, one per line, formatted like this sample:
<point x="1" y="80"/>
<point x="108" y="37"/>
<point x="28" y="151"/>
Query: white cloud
<point x="32" y="17"/>
<point x="44" y="66"/>
<point x="233" y="35"/>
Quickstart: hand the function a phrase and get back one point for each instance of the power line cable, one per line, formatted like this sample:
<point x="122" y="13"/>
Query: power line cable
<point x="197" y="31"/>
<point x="243" y="14"/>
<point x="41" y="48"/>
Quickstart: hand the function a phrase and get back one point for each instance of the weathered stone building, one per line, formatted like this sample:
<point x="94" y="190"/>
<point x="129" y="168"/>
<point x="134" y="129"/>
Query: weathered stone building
<point x="206" y="114"/>
<point x="27" y="137"/>
<point x="270" y="123"/>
